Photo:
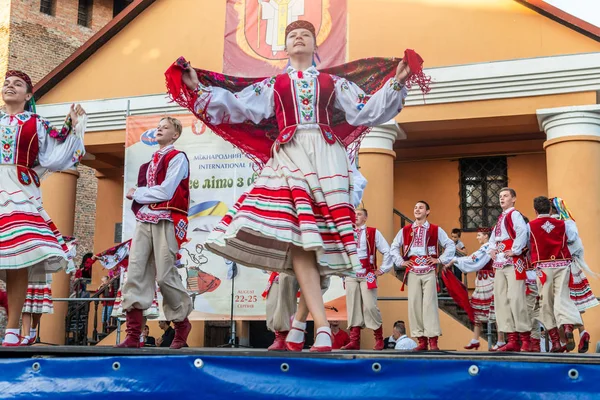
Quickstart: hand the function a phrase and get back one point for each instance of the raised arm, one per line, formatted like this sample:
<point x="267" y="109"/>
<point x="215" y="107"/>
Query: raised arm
<point x="219" y="105"/>
<point x="61" y="149"/>
<point x="475" y="261"/>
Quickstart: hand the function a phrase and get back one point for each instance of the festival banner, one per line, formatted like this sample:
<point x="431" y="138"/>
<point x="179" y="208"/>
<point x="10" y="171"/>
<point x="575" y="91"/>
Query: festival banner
<point x="255" y="34"/>
<point x="219" y="175"/>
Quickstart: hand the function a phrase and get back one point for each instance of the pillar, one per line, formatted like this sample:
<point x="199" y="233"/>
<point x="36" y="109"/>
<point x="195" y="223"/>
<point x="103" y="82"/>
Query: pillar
<point x="376" y="163"/>
<point x="59" y="192"/>
<point x="573" y="161"/>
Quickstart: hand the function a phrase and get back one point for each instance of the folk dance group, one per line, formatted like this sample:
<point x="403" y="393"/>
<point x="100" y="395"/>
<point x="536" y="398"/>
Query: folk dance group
<point x="298" y="220"/>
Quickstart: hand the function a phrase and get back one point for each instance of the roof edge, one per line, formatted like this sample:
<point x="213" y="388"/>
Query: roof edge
<point x="90" y="47"/>
<point x="563" y="18"/>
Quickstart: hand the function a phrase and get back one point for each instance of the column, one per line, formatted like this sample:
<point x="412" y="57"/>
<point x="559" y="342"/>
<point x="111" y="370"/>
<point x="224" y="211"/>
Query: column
<point x="59" y="192"/>
<point x="376" y="162"/>
<point x="573" y="162"/>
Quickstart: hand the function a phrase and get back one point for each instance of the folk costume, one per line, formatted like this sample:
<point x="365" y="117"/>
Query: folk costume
<point x="361" y="291"/>
<point x="160" y="205"/>
<point x="30" y="147"/>
<point x="551" y="256"/>
<point x="482" y="299"/>
<point x="510" y="305"/>
<point x="416" y="243"/>
<point x="296" y="126"/>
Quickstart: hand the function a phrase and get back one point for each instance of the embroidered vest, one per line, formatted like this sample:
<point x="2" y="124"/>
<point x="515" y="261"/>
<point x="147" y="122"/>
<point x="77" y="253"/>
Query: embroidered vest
<point x="371" y="247"/>
<point x="548" y="240"/>
<point x="181" y="199"/>
<point x="20" y="146"/>
<point x="294" y="105"/>
<point x="431" y="240"/>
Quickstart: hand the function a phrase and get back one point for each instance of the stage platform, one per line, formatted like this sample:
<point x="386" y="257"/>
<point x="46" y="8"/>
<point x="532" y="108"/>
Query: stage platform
<point x="64" y="372"/>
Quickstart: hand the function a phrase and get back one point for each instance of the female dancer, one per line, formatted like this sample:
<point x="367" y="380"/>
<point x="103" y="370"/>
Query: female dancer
<point x="298" y="216"/>
<point x="482" y="299"/>
<point x="28" y="147"/>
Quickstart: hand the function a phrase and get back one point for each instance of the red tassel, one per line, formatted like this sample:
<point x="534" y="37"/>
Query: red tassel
<point x="417" y="77"/>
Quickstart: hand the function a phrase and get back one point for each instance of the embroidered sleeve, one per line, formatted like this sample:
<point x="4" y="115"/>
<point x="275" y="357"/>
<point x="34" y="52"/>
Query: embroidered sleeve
<point x="254" y="103"/>
<point x="59" y="150"/>
<point x="448" y="245"/>
<point x="475" y="261"/>
<point x="363" y="109"/>
<point x="522" y="233"/>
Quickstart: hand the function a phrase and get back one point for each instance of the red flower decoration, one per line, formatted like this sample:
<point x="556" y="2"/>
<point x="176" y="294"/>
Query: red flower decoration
<point x="306" y="102"/>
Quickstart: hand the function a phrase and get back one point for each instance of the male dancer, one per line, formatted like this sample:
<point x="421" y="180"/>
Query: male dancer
<point x="507" y="244"/>
<point x="416" y="248"/>
<point x="361" y="291"/>
<point x="550" y="254"/>
<point x="160" y="204"/>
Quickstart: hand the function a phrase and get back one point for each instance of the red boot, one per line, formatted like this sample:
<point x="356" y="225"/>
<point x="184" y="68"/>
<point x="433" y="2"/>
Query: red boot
<point x="568" y="328"/>
<point x="525" y="341"/>
<point x="295" y="346"/>
<point x="555" y="339"/>
<point x="279" y="343"/>
<point x="135" y="320"/>
<point x="584" y="342"/>
<point x="378" y="333"/>
<point x="512" y="343"/>
<point x="433" y="344"/>
<point x="182" y="330"/>
<point x="354" y="339"/>
<point x="422" y="344"/>
<point x="535" y="346"/>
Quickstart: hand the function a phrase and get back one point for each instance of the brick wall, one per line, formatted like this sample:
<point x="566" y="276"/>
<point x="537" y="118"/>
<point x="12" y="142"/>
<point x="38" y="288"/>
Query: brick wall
<point x="4" y="35"/>
<point x="40" y="42"/>
<point x="85" y="210"/>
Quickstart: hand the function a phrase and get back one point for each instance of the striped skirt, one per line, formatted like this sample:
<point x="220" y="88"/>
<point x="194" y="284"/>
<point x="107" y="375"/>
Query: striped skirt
<point x="482" y="299"/>
<point x="581" y="292"/>
<point x="29" y="237"/>
<point x="302" y="197"/>
<point x="39" y="292"/>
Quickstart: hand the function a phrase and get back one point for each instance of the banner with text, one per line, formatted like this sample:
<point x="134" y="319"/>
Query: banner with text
<point x="219" y="175"/>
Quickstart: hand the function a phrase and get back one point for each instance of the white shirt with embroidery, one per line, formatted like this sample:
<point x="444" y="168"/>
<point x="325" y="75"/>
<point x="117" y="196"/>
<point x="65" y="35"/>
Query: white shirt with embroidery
<point x="573" y="242"/>
<point x="55" y="153"/>
<point x="405" y="343"/>
<point x="475" y="261"/>
<point x="380" y="243"/>
<point x="257" y="102"/>
<point x="177" y="170"/>
<point x="500" y="234"/>
<point x="419" y="247"/>
<point x="359" y="183"/>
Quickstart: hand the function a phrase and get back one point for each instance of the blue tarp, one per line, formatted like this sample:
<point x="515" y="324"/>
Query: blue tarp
<point x="247" y="377"/>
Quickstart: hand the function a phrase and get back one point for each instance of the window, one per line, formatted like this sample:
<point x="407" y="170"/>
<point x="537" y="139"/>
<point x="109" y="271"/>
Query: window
<point x="84" y="13"/>
<point x="120" y="5"/>
<point x="47" y="7"/>
<point x="480" y="182"/>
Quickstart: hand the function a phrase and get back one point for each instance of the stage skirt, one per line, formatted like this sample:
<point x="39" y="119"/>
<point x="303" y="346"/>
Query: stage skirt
<point x="302" y="197"/>
<point x="482" y="299"/>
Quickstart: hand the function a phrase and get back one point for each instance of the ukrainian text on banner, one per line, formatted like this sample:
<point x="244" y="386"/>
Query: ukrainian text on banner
<point x="255" y="34"/>
<point x="219" y="175"/>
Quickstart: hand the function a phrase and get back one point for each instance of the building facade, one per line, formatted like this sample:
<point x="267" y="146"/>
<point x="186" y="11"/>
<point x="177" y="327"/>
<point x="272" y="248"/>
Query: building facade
<point x="513" y="103"/>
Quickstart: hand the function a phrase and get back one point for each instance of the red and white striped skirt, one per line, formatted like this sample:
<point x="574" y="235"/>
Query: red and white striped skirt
<point x="581" y="292"/>
<point x="39" y="292"/>
<point x="302" y="197"/>
<point x="482" y="299"/>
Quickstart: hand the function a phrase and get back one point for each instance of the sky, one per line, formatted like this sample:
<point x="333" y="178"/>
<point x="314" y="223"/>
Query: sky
<point x="587" y="10"/>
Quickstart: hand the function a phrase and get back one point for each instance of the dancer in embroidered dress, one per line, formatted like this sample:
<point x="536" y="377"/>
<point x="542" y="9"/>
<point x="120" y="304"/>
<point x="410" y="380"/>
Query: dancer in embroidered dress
<point x="551" y="256"/>
<point x="416" y="247"/>
<point x="29" y="148"/>
<point x="160" y="205"/>
<point x="507" y="244"/>
<point x="579" y="286"/>
<point x="298" y="216"/>
<point x="482" y="299"/>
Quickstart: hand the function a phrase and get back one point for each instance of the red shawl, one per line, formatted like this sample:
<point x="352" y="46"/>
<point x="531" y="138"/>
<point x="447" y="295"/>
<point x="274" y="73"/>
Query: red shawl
<point x="458" y="292"/>
<point x="256" y="140"/>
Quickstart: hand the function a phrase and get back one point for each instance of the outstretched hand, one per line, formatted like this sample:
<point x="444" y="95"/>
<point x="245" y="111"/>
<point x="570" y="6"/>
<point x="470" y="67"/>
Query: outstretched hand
<point x="402" y="71"/>
<point x="75" y="112"/>
<point x="189" y="77"/>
